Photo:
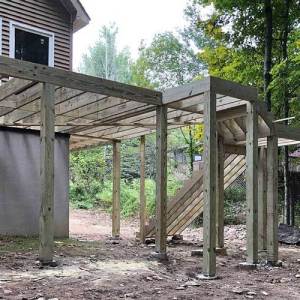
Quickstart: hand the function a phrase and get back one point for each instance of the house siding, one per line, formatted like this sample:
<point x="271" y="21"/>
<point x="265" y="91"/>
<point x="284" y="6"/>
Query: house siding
<point x="48" y="15"/>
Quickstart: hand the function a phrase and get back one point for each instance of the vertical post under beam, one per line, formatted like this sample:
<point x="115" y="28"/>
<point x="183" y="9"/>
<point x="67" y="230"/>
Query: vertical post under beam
<point x="142" y="191"/>
<point x="161" y="180"/>
<point x="272" y="200"/>
<point x="251" y="183"/>
<point x="47" y="132"/>
<point x="262" y="200"/>
<point x="220" y="193"/>
<point x="209" y="191"/>
<point x="116" y="190"/>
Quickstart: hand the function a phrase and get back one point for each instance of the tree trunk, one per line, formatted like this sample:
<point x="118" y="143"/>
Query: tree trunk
<point x="191" y="149"/>
<point x="288" y="199"/>
<point x="268" y="50"/>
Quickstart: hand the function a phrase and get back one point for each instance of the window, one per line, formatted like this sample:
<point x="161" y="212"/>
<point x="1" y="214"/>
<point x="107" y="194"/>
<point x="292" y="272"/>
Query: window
<point x="31" y="44"/>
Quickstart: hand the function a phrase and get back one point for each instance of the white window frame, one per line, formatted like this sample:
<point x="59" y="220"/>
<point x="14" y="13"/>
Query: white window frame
<point x="12" y="33"/>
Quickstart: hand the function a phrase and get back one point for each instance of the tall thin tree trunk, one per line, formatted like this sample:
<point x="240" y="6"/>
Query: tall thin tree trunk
<point x="268" y="50"/>
<point x="288" y="199"/>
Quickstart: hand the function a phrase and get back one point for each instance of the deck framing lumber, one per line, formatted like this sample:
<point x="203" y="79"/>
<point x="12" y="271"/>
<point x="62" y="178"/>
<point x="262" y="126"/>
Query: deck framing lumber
<point x="251" y="183"/>
<point x="272" y="200"/>
<point x="30" y="71"/>
<point x="209" y="184"/>
<point x="46" y="246"/>
<point x="116" y="189"/>
<point x="161" y="180"/>
<point x="142" y="189"/>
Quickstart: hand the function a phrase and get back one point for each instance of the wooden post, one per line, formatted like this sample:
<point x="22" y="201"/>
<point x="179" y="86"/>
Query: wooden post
<point x="47" y="133"/>
<point x="161" y="181"/>
<point x="251" y="183"/>
<point x="142" y="191"/>
<point x="209" y="184"/>
<point x="116" y="190"/>
<point x="272" y="200"/>
<point x="220" y="193"/>
<point x="262" y="200"/>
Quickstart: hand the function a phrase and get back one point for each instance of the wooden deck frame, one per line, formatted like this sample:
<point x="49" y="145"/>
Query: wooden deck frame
<point x="98" y="111"/>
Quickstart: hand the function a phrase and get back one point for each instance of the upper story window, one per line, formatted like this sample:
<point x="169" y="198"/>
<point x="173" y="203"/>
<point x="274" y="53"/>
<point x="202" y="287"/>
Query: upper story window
<point x="31" y="44"/>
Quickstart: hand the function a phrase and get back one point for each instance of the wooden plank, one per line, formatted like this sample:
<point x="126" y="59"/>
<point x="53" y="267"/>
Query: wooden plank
<point x="142" y="190"/>
<point x="233" y="149"/>
<point x="13" y="86"/>
<point x="209" y="183"/>
<point x="233" y="89"/>
<point x="262" y="200"/>
<point x="47" y="175"/>
<point x="161" y="180"/>
<point x="251" y="183"/>
<point x="30" y="71"/>
<point x="116" y="189"/>
<point x="186" y="91"/>
<point x="287" y="132"/>
<point x="220" y="193"/>
<point x="272" y="200"/>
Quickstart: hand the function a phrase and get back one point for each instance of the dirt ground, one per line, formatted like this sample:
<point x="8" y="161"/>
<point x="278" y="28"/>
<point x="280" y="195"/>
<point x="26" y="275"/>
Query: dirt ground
<point x="91" y="266"/>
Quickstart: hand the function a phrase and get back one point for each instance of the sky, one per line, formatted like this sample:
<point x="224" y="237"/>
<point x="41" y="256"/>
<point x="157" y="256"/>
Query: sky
<point x="136" y="19"/>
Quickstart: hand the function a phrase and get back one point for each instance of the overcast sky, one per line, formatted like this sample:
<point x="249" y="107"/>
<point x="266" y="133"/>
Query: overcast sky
<point x="136" y="19"/>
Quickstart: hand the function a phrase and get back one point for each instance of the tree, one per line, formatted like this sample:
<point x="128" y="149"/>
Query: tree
<point x="104" y="60"/>
<point x="259" y="32"/>
<point x="166" y="63"/>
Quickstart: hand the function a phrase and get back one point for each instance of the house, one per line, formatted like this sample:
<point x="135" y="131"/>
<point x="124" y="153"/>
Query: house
<point x="38" y="31"/>
<point x="41" y="31"/>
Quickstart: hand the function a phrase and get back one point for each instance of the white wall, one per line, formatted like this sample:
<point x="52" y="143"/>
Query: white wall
<point x="20" y="183"/>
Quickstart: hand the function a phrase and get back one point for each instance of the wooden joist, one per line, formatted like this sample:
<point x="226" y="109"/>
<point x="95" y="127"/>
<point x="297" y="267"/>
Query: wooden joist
<point x="59" y="77"/>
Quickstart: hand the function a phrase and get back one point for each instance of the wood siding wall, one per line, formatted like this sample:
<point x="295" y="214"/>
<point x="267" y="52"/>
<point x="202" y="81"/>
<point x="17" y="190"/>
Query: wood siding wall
<point x="48" y="15"/>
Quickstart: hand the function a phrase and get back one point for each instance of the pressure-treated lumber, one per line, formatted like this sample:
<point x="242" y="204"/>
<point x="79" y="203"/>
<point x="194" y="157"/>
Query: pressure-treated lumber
<point x="220" y="193"/>
<point x="262" y="199"/>
<point x="251" y="184"/>
<point x="142" y="190"/>
<point x="116" y="189"/>
<point x="47" y="175"/>
<point x="59" y="77"/>
<point x="209" y="183"/>
<point x="272" y="200"/>
<point x="161" y="180"/>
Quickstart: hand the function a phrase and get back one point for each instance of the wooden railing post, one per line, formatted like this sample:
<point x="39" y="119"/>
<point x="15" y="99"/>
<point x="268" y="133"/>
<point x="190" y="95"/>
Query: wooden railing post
<point x="116" y="189"/>
<point x="142" y="190"/>
<point x="272" y="200"/>
<point x="220" y="192"/>
<point x="161" y="181"/>
<point x="262" y="200"/>
<point x="209" y="185"/>
<point x="47" y="133"/>
<point x="252" y="183"/>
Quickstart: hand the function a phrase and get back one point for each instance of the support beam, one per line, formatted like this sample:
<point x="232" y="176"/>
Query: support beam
<point x="142" y="191"/>
<point x="59" y="77"/>
<point x="161" y="181"/>
<point x="262" y="200"/>
<point x="220" y="193"/>
<point x="47" y="175"/>
<point x="272" y="200"/>
<point x="116" y="189"/>
<point x="251" y="183"/>
<point x="209" y="191"/>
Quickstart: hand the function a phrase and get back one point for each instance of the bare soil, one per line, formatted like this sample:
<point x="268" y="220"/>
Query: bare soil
<point x="92" y="266"/>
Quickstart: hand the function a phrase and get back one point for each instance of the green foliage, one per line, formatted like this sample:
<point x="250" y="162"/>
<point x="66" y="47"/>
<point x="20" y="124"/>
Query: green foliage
<point x="86" y="177"/>
<point x="103" y="59"/>
<point x="167" y="62"/>
<point x="235" y="205"/>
